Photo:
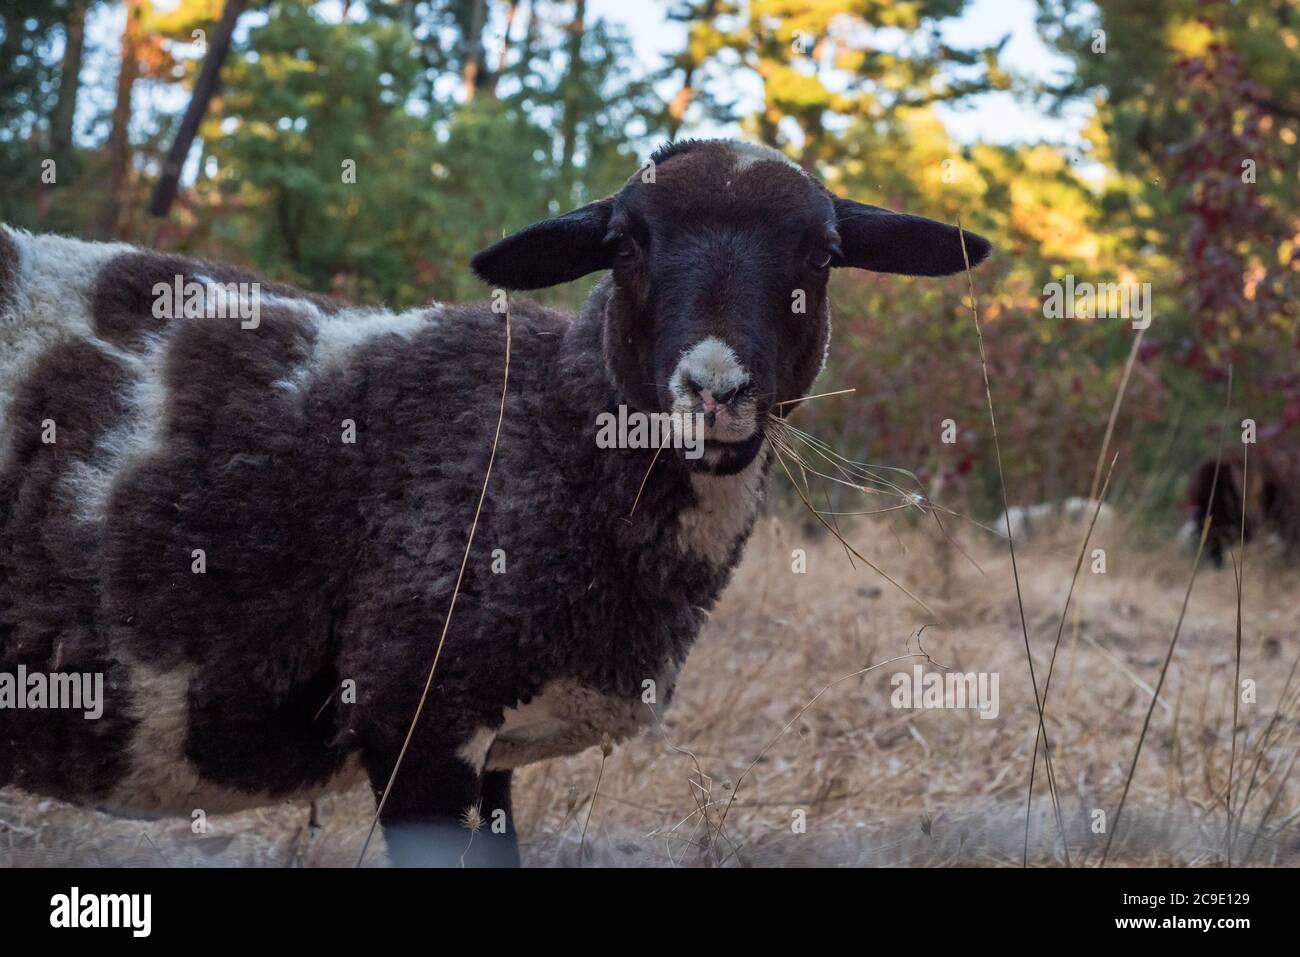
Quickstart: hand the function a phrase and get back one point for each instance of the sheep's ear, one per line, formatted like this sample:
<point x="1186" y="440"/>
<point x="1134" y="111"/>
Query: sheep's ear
<point x="550" y="252"/>
<point x="883" y="241"/>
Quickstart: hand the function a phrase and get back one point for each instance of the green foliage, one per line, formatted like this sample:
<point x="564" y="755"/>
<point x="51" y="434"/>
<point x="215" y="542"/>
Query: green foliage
<point x="317" y="158"/>
<point x="1199" y="125"/>
<point x="28" y="87"/>
<point x="819" y="62"/>
<point x="330" y="170"/>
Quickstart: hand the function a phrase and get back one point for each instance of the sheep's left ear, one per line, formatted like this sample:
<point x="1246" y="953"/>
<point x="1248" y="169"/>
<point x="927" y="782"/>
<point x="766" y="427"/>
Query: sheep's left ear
<point x="550" y="252"/>
<point x="883" y="241"/>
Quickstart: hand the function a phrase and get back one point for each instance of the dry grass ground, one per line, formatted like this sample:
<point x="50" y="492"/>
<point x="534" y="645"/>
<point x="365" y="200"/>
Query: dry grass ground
<point x="873" y="784"/>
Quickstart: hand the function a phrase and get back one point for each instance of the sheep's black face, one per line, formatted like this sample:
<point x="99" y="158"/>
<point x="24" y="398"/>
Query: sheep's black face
<point x="719" y="310"/>
<point x="720" y="253"/>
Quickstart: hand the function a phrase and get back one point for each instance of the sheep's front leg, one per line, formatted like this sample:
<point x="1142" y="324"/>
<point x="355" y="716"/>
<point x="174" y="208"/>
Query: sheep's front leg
<point x="499" y="819"/>
<point x="443" y="811"/>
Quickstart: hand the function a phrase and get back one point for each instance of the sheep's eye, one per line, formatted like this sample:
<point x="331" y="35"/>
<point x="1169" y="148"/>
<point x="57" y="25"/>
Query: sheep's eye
<point x="627" y="248"/>
<point x="820" y="259"/>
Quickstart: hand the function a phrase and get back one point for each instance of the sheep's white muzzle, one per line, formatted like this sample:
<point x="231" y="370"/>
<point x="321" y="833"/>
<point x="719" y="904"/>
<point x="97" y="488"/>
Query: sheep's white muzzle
<point x="710" y="382"/>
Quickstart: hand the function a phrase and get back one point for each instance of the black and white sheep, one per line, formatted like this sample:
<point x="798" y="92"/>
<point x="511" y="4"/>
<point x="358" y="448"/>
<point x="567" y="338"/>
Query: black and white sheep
<point x="263" y="597"/>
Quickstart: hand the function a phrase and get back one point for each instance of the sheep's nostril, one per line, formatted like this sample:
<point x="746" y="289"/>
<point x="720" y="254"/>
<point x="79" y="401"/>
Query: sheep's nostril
<point x="709" y="396"/>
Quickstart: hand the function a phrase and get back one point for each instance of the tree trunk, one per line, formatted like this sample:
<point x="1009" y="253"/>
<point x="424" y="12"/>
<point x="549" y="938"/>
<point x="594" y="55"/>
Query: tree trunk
<point x="469" y="71"/>
<point x="119" y="140"/>
<point x="205" y="86"/>
<point x="69" y="80"/>
<point x="677" y="108"/>
<point x="768" y="130"/>
<point x="569" y="93"/>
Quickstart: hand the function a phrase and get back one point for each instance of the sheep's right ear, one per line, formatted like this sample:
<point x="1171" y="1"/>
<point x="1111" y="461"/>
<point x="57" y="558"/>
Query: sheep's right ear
<point x="550" y="252"/>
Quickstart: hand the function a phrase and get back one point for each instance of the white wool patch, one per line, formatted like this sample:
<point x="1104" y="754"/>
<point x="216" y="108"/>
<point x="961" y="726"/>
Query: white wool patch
<point x="474" y="752"/>
<point x="51" y="303"/>
<point x="1029" y="521"/>
<point x="132" y="439"/>
<point x="340" y="335"/>
<point x="747" y="154"/>
<point x="724" y="510"/>
<point x="566" y="717"/>
<point x="55" y="281"/>
<point x="162" y="781"/>
<point x="138" y="435"/>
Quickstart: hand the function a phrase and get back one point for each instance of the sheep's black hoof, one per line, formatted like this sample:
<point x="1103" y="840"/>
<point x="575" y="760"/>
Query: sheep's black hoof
<point x="449" y="843"/>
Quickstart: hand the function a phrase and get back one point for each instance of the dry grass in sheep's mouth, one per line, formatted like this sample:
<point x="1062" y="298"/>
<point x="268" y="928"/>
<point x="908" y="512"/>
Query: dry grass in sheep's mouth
<point x="797" y="450"/>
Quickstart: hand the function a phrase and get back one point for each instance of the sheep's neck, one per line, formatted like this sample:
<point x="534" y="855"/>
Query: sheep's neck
<point x="708" y="517"/>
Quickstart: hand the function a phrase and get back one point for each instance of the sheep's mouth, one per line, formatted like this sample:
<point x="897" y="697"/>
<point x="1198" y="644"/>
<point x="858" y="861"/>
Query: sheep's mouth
<point x="719" y="457"/>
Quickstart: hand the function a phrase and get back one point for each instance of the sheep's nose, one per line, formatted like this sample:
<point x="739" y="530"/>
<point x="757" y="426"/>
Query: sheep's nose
<point x="710" y="399"/>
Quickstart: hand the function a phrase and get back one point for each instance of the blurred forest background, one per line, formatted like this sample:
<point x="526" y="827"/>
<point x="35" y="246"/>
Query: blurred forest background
<point x="466" y="118"/>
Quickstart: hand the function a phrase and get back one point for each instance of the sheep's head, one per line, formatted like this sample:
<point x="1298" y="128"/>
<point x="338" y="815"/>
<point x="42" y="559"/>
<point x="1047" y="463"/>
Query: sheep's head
<point x="720" y="253"/>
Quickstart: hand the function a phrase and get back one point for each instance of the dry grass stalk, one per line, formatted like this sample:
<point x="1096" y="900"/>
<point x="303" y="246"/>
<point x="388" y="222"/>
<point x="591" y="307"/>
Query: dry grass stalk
<point x="605" y="749"/>
<point x="1263" y="744"/>
<point x="843" y="541"/>
<point x="1238" y="570"/>
<point x="1011" y="545"/>
<point x="1056" y="646"/>
<point x="811" y="701"/>
<point x="1173" y="642"/>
